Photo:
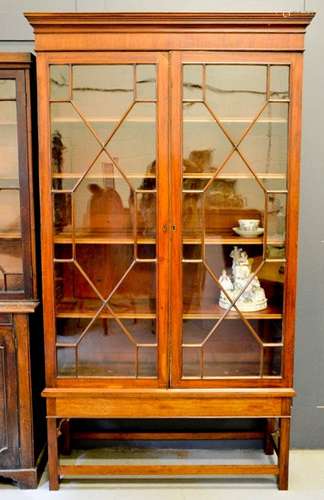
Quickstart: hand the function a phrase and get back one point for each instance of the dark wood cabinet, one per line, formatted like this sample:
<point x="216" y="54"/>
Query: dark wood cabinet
<point x="170" y="150"/>
<point x="21" y="411"/>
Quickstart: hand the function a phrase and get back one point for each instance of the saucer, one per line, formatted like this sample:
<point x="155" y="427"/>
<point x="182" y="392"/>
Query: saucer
<point x="248" y="234"/>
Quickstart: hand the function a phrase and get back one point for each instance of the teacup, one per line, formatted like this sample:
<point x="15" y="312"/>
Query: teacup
<point x="249" y="225"/>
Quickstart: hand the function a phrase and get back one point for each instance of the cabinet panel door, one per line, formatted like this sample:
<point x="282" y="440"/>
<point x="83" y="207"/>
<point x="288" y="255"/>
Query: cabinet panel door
<point x="9" y="432"/>
<point x="232" y="146"/>
<point x="109" y="199"/>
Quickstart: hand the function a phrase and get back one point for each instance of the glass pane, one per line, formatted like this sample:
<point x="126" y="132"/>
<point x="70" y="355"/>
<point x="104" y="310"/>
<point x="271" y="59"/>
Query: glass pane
<point x="191" y="362"/>
<point x="227" y="350"/>
<point x="103" y="210"/>
<point x="74" y="147"/>
<point x="145" y="215"/>
<point x="7" y="89"/>
<point x="232" y="350"/>
<point x="277" y="216"/>
<point x="192" y="214"/>
<point x="265" y="147"/>
<point x="200" y="291"/>
<point x="272" y="362"/>
<point x="103" y="94"/>
<point x="136" y="295"/>
<point x="269" y="331"/>
<point x="8" y="141"/>
<point x="279" y="82"/>
<point x="192" y="82"/>
<point x="62" y="216"/>
<point x="205" y="146"/>
<point x="104" y="200"/>
<point x="106" y="347"/>
<point x="233" y="220"/>
<point x="144" y="333"/>
<point x="74" y="292"/>
<point x="146" y="251"/>
<point x="106" y="350"/>
<point x="11" y="265"/>
<point x="63" y="251"/>
<point x="145" y="81"/>
<point x="66" y="361"/>
<point x="233" y="196"/>
<point x="147" y="360"/>
<point x="59" y="82"/>
<point x="133" y="144"/>
<point x="10" y="223"/>
<point x="104" y="265"/>
<point x="272" y="279"/>
<point x="236" y="94"/>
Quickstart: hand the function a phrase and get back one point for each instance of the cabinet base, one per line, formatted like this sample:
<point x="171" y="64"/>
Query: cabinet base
<point x="272" y="405"/>
<point x="27" y="478"/>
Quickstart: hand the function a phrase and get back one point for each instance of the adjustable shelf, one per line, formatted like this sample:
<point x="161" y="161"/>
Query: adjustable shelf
<point x="214" y="311"/>
<point x="10" y="235"/>
<point x="145" y="119"/>
<point x="194" y="175"/>
<point x="82" y="309"/>
<point x="128" y="239"/>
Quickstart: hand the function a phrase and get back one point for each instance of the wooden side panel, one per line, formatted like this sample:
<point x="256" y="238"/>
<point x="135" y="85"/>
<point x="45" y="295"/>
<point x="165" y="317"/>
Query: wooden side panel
<point x="9" y="444"/>
<point x="296" y="82"/>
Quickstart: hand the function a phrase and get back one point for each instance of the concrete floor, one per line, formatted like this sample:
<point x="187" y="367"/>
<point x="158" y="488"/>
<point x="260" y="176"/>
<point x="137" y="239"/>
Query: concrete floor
<point x="306" y="482"/>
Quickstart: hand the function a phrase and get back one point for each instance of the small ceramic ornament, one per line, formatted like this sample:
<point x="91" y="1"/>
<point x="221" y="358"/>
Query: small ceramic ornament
<point x="252" y="295"/>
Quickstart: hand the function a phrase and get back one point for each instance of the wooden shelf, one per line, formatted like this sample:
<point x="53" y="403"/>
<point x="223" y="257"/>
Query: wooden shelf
<point x="263" y="121"/>
<point x="89" y="314"/>
<point x="214" y="311"/>
<point x="117" y="175"/>
<point x="128" y="239"/>
<point x="9" y="183"/>
<point x="228" y="239"/>
<point x="146" y="119"/>
<point x="235" y="175"/>
<point x="12" y="235"/>
<point x="104" y="238"/>
<point x="194" y="175"/>
<point x="86" y="309"/>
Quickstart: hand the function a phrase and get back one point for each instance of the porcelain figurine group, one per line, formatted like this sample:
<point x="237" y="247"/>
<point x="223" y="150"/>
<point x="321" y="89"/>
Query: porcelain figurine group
<point x="241" y="285"/>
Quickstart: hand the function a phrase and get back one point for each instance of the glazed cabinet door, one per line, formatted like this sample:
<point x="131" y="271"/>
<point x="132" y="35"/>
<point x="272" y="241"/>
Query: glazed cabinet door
<point x="9" y="432"/>
<point x="105" y="207"/>
<point x="235" y="164"/>
<point x="15" y="240"/>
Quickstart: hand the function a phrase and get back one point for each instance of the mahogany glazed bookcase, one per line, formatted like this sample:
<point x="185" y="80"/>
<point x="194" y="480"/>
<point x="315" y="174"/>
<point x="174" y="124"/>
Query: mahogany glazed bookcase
<point x="158" y="133"/>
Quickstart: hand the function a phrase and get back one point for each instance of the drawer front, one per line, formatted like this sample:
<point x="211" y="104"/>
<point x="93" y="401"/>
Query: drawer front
<point x="9" y="443"/>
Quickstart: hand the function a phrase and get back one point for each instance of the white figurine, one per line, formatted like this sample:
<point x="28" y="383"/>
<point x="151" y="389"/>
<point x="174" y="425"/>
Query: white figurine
<point x="252" y="296"/>
<point x="226" y="281"/>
